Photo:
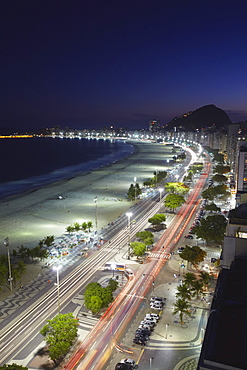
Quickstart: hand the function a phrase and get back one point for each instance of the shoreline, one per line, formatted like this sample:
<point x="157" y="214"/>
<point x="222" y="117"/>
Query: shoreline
<point x="28" y="217"/>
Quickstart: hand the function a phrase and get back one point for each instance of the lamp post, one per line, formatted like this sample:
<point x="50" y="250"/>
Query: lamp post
<point x="152" y="277"/>
<point x="96" y="209"/>
<point x="6" y="242"/>
<point x="129" y="214"/>
<point x="160" y="190"/>
<point x="166" y="330"/>
<point x="155" y="176"/>
<point x="135" y="187"/>
<point x="57" y="268"/>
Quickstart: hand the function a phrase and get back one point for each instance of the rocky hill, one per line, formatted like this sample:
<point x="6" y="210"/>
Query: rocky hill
<point x="204" y="117"/>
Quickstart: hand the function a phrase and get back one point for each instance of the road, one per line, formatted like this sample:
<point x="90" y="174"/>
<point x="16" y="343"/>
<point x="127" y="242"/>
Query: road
<point x="21" y="327"/>
<point x="96" y="349"/>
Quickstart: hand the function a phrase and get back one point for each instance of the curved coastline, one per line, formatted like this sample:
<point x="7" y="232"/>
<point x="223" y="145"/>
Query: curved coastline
<point x="27" y="218"/>
<point x="19" y="187"/>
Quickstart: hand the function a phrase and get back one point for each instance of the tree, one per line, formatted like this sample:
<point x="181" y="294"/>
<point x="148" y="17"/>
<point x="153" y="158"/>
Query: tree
<point x="219" y="168"/>
<point x="197" y="288"/>
<point x="84" y="226"/>
<point x="113" y="285"/>
<point x="146" y="237"/>
<point x="212" y="208"/>
<point x="138" y="248"/>
<point x="174" y="201"/>
<point x="21" y="268"/>
<point x="189" y="279"/>
<point x="89" y="225"/>
<point x="157" y="219"/>
<point x="77" y="226"/>
<point x="70" y="229"/>
<point x="181" y="306"/>
<point x="219" y="178"/>
<point x="183" y="292"/>
<point x="13" y="367"/>
<point x="59" y="334"/>
<point x="104" y="296"/>
<point x="194" y="254"/>
<point x="176" y="188"/>
<point x="49" y="240"/>
<point x="212" y="229"/>
<point x="134" y="191"/>
<point x="205" y="278"/>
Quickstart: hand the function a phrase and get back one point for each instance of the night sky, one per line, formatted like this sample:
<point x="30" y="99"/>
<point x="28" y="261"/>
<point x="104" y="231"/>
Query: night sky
<point x="92" y="63"/>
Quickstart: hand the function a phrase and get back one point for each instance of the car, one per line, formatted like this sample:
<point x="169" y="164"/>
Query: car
<point x="142" y="337"/>
<point x="156" y="307"/>
<point x="147" y="327"/>
<point x="128" y="361"/>
<point x="121" y="366"/>
<point x="180" y="250"/>
<point x="148" y="318"/>
<point x="152" y="315"/>
<point x="143" y="332"/>
<point x="189" y="236"/>
<point x="149" y="323"/>
<point x="161" y="299"/>
<point x="139" y="341"/>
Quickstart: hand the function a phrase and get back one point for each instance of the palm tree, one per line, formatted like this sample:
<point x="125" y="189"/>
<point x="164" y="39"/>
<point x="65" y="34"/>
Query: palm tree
<point x="183" y="292"/>
<point x="181" y="307"/>
<point x="84" y="226"/>
<point x="77" y="226"/>
<point x="89" y="225"/>
<point x="205" y="277"/>
<point x="21" y="267"/>
<point x="189" y="279"/>
<point x="70" y="229"/>
<point x="197" y="288"/>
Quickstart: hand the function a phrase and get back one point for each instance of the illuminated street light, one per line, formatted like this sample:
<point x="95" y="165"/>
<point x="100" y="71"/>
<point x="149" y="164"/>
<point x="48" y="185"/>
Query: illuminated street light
<point x="129" y="214"/>
<point x="152" y="277"/>
<point x="57" y="268"/>
<point x="160" y="190"/>
<point x="135" y="187"/>
<point x="6" y="242"/>
<point x="96" y="218"/>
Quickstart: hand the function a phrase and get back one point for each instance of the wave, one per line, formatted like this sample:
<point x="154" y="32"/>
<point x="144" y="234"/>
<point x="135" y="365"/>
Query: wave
<point x="32" y="183"/>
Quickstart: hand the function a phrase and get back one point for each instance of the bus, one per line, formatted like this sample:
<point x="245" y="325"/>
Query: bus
<point x="114" y="266"/>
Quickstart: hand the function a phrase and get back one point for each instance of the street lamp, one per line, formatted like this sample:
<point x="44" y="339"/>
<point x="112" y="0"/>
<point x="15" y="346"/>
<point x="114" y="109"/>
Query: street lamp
<point x="96" y="209"/>
<point x="155" y="176"/>
<point x="135" y="187"/>
<point x="6" y="242"/>
<point x="129" y="214"/>
<point x="57" y="268"/>
<point x="152" y="277"/>
<point x="166" y="330"/>
<point x="160" y="190"/>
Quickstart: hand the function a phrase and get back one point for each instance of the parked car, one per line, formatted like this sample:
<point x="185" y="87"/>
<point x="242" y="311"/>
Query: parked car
<point x="147" y="327"/>
<point x="161" y="299"/>
<point x="151" y="319"/>
<point x="143" y="332"/>
<point x="149" y="323"/>
<point x="152" y="315"/>
<point x="121" y="366"/>
<point x="139" y="341"/>
<point x="156" y="306"/>
<point x="189" y="236"/>
<point x="180" y="250"/>
<point x="128" y="361"/>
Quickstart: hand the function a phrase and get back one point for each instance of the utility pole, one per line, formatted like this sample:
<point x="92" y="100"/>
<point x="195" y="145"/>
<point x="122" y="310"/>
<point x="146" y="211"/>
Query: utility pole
<point x="6" y="242"/>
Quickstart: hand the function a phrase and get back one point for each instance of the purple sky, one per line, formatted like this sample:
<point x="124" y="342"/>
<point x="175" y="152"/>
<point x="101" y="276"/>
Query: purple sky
<point x="90" y="63"/>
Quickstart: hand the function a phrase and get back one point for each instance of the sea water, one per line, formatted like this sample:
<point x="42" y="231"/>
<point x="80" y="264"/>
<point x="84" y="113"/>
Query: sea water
<point x="31" y="163"/>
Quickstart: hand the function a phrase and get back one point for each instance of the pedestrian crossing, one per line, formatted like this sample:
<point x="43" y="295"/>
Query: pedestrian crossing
<point x="159" y="255"/>
<point x="86" y="320"/>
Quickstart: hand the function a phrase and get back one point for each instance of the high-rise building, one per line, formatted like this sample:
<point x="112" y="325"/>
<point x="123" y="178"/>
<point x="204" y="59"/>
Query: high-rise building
<point x="154" y="125"/>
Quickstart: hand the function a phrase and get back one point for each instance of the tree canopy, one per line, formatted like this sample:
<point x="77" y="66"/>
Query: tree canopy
<point x="157" y="219"/>
<point x="221" y="169"/>
<point x="138" y="248"/>
<point x="173" y="201"/>
<point x="212" y="208"/>
<point x="218" y="191"/>
<point x="212" y="228"/>
<point x="146" y="237"/>
<point x="176" y="188"/>
<point x="97" y="297"/>
<point x="59" y="334"/>
<point x="194" y="254"/>
<point x="134" y="191"/>
<point x="219" y="178"/>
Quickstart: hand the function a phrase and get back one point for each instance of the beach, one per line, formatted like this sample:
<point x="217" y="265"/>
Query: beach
<point x="27" y="218"/>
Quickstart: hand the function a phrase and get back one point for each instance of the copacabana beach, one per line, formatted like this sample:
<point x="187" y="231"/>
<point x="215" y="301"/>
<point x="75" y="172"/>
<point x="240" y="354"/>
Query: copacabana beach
<point x="27" y="218"/>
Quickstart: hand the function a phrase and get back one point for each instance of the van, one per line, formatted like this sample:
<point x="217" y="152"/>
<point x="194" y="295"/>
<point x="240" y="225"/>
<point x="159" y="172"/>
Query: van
<point x="129" y="272"/>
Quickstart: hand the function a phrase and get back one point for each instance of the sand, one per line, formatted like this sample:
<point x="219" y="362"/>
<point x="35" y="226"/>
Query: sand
<point x="29" y="217"/>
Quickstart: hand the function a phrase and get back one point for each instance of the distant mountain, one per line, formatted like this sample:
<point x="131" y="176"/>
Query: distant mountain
<point x="204" y="117"/>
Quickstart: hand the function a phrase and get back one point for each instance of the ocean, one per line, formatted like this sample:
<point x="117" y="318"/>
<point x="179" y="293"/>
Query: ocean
<point x="31" y="163"/>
